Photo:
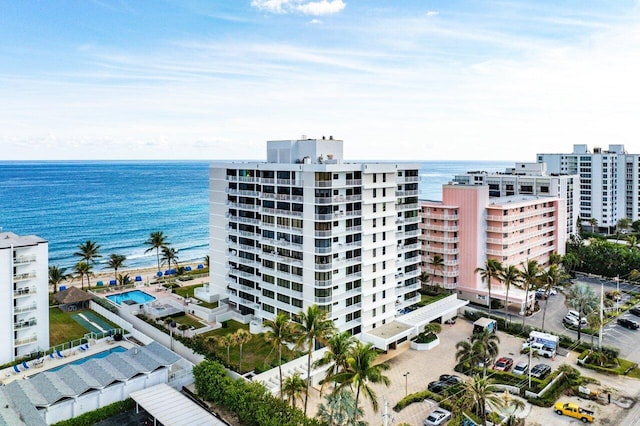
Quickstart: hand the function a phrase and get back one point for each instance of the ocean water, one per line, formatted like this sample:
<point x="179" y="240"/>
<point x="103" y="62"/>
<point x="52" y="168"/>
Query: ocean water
<point x="119" y="203"/>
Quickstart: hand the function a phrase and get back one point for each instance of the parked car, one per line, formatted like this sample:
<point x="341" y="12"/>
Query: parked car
<point x="627" y="323"/>
<point x="437" y="386"/>
<point x="540" y="371"/>
<point x="572" y="321"/>
<point x="503" y="364"/>
<point x="635" y="311"/>
<point x="437" y="418"/>
<point x="573" y="314"/>
<point x="521" y="369"/>
<point x="450" y="379"/>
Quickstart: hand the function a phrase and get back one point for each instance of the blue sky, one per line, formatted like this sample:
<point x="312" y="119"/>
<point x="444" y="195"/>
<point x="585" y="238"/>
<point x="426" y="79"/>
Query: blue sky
<point x="428" y="80"/>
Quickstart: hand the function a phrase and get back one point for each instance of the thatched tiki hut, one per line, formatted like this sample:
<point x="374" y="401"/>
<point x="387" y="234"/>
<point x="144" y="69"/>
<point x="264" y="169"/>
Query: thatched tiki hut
<point x="72" y="299"/>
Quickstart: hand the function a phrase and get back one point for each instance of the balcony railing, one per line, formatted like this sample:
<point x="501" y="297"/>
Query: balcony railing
<point x="281" y="212"/>
<point x="21" y="309"/>
<point x="25" y="324"/>
<point x="26" y="340"/>
<point x="25" y="291"/>
<point x="410" y="206"/>
<point x="23" y="260"/>
<point x="24" y="276"/>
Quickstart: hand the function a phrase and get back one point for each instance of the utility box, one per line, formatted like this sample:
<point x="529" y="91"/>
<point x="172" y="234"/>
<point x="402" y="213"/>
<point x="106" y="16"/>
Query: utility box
<point x="482" y="324"/>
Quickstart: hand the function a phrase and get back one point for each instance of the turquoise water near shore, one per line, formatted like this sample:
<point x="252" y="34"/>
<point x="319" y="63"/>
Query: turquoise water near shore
<point x="118" y="203"/>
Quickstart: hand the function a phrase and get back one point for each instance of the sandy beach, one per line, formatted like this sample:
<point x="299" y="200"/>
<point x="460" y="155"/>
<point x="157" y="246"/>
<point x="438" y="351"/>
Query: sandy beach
<point x="148" y="275"/>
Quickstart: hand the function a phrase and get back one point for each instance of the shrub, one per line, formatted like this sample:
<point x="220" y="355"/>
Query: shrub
<point x="425" y="338"/>
<point x="250" y="401"/>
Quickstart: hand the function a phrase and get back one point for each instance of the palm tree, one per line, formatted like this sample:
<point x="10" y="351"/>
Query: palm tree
<point x="313" y="327"/>
<point x="56" y="276"/>
<point x="339" y="409"/>
<point x="226" y="341"/>
<point x="424" y="280"/>
<point x="509" y="275"/>
<point x="570" y="262"/>
<point x="509" y="402"/>
<point x="169" y="255"/>
<point x="555" y="258"/>
<point x="83" y="269"/>
<point x="156" y="241"/>
<point x="339" y="346"/>
<point x="116" y="261"/>
<point x="123" y="279"/>
<point x="487" y="343"/>
<point x="632" y="241"/>
<point x="206" y="261"/>
<point x="437" y="263"/>
<point x="530" y="275"/>
<point x="583" y="300"/>
<point x="361" y="371"/>
<point x="88" y="252"/>
<point x="478" y="394"/>
<point x="242" y="336"/>
<point x="593" y="222"/>
<point x="293" y="388"/>
<point x="278" y="334"/>
<point x="467" y="352"/>
<point x="593" y="322"/>
<point x="491" y="270"/>
<point x="550" y="278"/>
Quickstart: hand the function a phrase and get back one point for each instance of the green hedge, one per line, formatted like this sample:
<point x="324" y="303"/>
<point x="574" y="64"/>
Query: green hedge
<point x="107" y="305"/>
<point x="100" y="414"/>
<point x="624" y="367"/>
<point x="250" y="401"/>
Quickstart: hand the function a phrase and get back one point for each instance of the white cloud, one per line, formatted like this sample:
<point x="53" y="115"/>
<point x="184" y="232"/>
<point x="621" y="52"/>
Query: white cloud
<point x="314" y="22"/>
<point x="313" y="8"/>
<point x="432" y="13"/>
<point x="322" y="7"/>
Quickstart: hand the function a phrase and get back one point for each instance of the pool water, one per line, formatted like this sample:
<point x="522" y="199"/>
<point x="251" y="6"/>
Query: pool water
<point x="87" y="358"/>
<point x="137" y="296"/>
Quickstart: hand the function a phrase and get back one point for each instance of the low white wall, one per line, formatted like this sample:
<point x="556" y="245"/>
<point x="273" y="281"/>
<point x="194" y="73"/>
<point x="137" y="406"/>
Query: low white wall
<point x="530" y="394"/>
<point x="116" y="319"/>
<point x="424" y="346"/>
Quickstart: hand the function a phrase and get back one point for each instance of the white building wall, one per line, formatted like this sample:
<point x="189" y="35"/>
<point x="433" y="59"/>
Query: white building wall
<point x="372" y="201"/>
<point x="24" y="287"/>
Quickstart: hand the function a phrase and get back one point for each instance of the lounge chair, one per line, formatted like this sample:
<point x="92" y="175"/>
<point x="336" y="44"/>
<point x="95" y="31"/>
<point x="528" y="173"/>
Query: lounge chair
<point x="82" y="348"/>
<point x="16" y="369"/>
<point x="52" y="356"/>
<point x="25" y="365"/>
<point x="59" y="354"/>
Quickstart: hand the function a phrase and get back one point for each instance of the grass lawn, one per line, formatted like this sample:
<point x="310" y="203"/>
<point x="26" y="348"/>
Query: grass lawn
<point x="256" y="353"/>
<point x="187" y="291"/>
<point x="189" y="320"/>
<point x="63" y="328"/>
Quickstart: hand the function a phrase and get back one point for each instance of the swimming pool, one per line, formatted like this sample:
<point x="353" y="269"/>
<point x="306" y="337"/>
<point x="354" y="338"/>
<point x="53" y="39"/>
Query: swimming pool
<point x="138" y="296"/>
<point x="87" y="358"/>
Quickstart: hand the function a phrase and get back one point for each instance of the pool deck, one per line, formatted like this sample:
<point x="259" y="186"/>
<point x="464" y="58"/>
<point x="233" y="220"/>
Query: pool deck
<point x="8" y="374"/>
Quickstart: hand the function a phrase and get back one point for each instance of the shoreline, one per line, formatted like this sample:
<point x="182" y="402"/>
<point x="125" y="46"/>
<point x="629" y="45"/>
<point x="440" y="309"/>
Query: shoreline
<point x="148" y="275"/>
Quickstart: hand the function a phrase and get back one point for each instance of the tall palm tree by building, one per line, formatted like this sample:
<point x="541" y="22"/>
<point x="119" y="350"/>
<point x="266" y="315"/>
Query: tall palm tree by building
<point x="313" y="327"/>
<point x="478" y="394"/>
<point x="509" y="275"/>
<point x="293" y="388"/>
<point x="581" y="298"/>
<point x="424" y="280"/>
<point x="88" y="252"/>
<point x="83" y="269"/>
<point x="550" y="278"/>
<point x="530" y="275"/>
<point x="242" y="336"/>
<point x="361" y="371"/>
<point x="226" y="341"/>
<point x="593" y="222"/>
<point x="278" y="334"/>
<point x="206" y="261"/>
<point x="339" y="346"/>
<point x="491" y="271"/>
<point x="56" y="276"/>
<point x="593" y="322"/>
<point x="115" y="262"/>
<point x="156" y="241"/>
<point x="437" y="264"/>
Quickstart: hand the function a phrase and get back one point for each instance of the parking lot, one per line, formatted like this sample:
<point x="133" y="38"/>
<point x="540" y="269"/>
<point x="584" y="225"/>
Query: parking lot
<point x="613" y="334"/>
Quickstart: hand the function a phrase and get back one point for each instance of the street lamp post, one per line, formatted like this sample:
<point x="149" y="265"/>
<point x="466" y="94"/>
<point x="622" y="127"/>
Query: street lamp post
<point x="406" y="383"/>
<point x="601" y="315"/>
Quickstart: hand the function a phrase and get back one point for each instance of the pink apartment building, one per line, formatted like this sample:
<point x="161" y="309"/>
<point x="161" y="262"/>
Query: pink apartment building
<point x="468" y="227"/>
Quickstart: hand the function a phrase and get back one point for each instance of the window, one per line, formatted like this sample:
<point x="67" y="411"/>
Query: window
<point x="375" y="193"/>
<point x="374" y="297"/>
<point x="384" y="192"/>
<point x="384" y="177"/>
<point x="375" y="177"/>
<point x="374" y="223"/>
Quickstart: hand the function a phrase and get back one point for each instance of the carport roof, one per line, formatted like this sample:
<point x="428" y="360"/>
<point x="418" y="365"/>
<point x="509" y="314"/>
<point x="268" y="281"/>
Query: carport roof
<point x="171" y="408"/>
<point x="428" y="313"/>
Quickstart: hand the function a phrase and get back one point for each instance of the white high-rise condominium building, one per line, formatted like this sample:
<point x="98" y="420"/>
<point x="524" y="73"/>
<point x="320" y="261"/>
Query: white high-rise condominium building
<point x="609" y="181"/>
<point x="24" y="287"/>
<point x="306" y="228"/>
<point x="531" y="179"/>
